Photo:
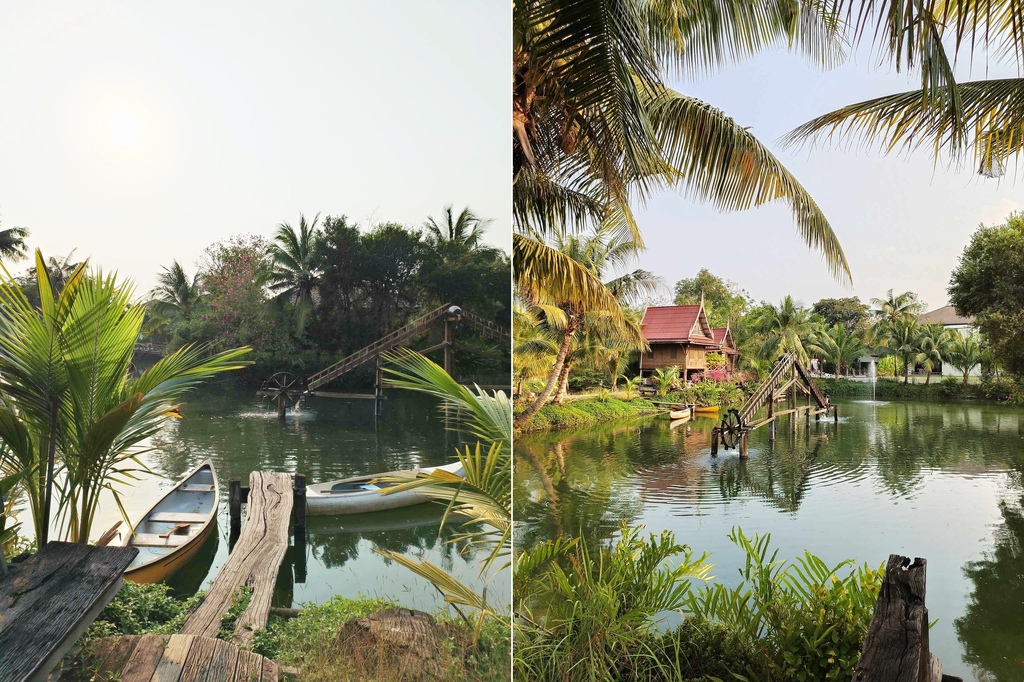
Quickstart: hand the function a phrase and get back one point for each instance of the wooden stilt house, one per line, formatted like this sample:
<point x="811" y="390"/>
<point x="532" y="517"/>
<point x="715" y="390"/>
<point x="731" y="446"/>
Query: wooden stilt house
<point x="725" y="345"/>
<point x="678" y="335"/>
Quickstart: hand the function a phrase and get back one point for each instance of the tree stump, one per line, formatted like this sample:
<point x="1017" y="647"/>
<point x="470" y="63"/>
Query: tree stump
<point x="409" y="644"/>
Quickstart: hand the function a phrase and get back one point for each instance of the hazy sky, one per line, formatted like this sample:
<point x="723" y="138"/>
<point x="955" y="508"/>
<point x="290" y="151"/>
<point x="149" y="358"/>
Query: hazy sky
<point x="902" y="222"/>
<point x="143" y="132"/>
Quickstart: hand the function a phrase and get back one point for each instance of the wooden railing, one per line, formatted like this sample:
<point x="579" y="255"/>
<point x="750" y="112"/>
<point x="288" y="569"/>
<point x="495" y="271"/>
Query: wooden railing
<point x="766" y="392"/>
<point x="381" y="345"/>
<point x="487" y="328"/>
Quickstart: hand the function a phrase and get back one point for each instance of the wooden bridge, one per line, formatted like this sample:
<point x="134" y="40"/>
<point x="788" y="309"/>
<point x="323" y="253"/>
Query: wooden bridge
<point x="788" y="378"/>
<point x="285" y="390"/>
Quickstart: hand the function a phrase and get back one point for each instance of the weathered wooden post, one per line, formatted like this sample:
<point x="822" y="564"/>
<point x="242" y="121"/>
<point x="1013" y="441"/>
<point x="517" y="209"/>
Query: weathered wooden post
<point x="378" y="388"/>
<point x="235" y="506"/>
<point x="835" y="413"/>
<point x="744" y="443"/>
<point x="896" y="646"/>
<point x="448" y="345"/>
<point x="299" y="516"/>
<point x="281" y="406"/>
<point x="714" y="441"/>
<point x="771" y="420"/>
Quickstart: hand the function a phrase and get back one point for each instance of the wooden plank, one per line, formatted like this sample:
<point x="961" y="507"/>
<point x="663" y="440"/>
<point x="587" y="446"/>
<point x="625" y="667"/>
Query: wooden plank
<point x="48" y="601"/>
<point x="223" y="662"/>
<point x="178" y="517"/>
<point x="248" y="667"/>
<point x="173" y="660"/>
<point x="154" y="540"/>
<point x="269" y="672"/>
<point x="254" y="561"/>
<point x="108" y="655"/>
<point x="896" y="646"/>
<point x="196" y="488"/>
<point x="142" y="664"/>
<point x="198" y="659"/>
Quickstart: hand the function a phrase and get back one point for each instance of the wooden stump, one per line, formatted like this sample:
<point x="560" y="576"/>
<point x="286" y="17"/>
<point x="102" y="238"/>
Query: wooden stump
<point x="254" y="561"/>
<point x="409" y="644"/>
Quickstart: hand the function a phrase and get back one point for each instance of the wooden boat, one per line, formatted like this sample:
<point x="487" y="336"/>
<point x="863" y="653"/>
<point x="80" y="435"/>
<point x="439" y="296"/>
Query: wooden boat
<point x="706" y="409"/>
<point x="679" y="414"/>
<point x="359" y="495"/>
<point x="176" y="527"/>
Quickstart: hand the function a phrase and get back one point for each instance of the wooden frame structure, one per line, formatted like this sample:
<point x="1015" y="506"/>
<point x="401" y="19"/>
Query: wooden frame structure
<point x="787" y="379"/>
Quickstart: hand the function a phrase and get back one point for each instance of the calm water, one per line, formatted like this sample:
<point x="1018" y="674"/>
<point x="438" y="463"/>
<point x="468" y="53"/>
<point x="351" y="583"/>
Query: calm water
<point x="940" y="481"/>
<point x="327" y="439"/>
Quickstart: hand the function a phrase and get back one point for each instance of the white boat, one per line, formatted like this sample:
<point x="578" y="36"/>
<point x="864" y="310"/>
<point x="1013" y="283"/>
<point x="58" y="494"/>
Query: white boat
<point x="359" y="495"/>
<point x="174" y="529"/>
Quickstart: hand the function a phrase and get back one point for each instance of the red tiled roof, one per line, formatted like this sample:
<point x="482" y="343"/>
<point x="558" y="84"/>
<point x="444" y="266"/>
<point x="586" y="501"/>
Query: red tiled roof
<point x="664" y="324"/>
<point x="719" y="334"/>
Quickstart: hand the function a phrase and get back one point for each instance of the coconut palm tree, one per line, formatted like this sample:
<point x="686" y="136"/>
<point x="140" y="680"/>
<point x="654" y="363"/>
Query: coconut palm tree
<point x="901" y="338"/>
<point x="785" y="329"/>
<point x="982" y="117"/>
<point x="61" y="268"/>
<point x="176" y="294"/>
<point x="295" y="277"/>
<point x="465" y="229"/>
<point x="12" y="243"/>
<point x="69" y="409"/>
<point x="838" y="346"/>
<point x="896" y="307"/>
<point x="933" y="344"/>
<point x="965" y="353"/>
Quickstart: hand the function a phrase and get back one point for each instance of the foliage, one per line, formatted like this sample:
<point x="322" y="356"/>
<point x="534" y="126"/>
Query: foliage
<point x="890" y="366"/>
<point x="988" y="283"/>
<point x="239" y="603"/>
<point x="710" y="394"/>
<point x="70" y="411"/>
<point x="838" y="346"/>
<point x="848" y="312"/>
<point x="965" y="353"/>
<point x="783" y="329"/>
<point x="665" y="379"/>
<point x="724" y="301"/>
<point x="586" y="412"/>
<point x="809" y="622"/>
<point x="12" y="243"/>
<point x="294" y="275"/>
<point x="715" y="361"/>
<point x="176" y="294"/>
<point x="310" y="643"/>
<point x="142" y="609"/>
<point x="585" y="617"/>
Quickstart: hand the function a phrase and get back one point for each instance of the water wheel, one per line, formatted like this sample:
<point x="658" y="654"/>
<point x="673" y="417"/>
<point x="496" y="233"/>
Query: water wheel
<point x="731" y="428"/>
<point x="284" y="390"/>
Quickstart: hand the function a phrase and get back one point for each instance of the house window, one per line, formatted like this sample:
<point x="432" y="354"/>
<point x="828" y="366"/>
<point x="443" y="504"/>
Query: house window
<point x="674" y="352"/>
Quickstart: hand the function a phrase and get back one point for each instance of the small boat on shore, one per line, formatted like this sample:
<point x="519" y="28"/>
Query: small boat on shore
<point x="679" y="414"/>
<point x="360" y="495"/>
<point x="176" y="527"/>
<point x="706" y="409"/>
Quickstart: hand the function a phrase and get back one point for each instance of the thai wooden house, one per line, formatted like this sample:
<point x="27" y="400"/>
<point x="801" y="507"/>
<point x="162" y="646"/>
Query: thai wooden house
<point x="678" y="335"/>
<point x="725" y="345"/>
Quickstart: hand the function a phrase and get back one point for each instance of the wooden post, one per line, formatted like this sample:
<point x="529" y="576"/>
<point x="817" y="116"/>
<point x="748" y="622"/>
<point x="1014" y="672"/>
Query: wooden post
<point x="378" y="388"/>
<point x="299" y="506"/>
<point x="835" y="413"/>
<point x="281" y="408"/>
<point x="896" y="647"/>
<point x="235" y="505"/>
<point x="771" y="417"/>
<point x="714" y="441"/>
<point x="744" y="443"/>
<point x="448" y="346"/>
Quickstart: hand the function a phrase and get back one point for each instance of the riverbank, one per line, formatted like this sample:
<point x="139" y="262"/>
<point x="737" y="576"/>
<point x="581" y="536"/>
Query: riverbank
<point x="583" y="412"/>
<point x="331" y="641"/>
<point x="948" y="388"/>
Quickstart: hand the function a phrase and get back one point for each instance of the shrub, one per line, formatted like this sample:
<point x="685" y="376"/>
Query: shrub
<point x="714" y="361"/>
<point x="951" y="387"/>
<point x="141" y="609"/>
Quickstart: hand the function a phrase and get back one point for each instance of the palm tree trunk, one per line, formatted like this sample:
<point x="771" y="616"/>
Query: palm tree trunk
<point x="563" y="384"/>
<point x="966" y="373"/>
<point x="928" y="379"/>
<point x="556" y="372"/>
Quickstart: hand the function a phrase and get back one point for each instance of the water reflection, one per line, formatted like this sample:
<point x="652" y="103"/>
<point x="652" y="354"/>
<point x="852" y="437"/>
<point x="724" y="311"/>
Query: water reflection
<point x="941" y="481"/>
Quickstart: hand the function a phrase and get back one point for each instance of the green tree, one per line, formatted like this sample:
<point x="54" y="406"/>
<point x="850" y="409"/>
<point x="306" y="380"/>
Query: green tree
<point x="12" y="243"/>
<point x="465" y="229"/>
<point x="901" y="338"/>
<point x="784" y="329"/>
<point x="724" y="300"/>
<point x="294" y="276"/>
<point x="70" y="412"/>
<point x="933" y="348"/>
<point x="988" y="283"/>
<point x="849" y="312"/>
<point x="176" y="294"/>
<point x="897" y="307"/>
<point x="838" y="346"/>
<point x="965" y="353"/>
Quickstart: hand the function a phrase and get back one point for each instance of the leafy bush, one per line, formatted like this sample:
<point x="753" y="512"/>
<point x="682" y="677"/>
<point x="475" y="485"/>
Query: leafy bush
<point x="586" y="412"/>
<point x="581" y="379"/>
<point x="699" y="650"/>
<point x="141" y="609"/>
<point x="808" y="622"/>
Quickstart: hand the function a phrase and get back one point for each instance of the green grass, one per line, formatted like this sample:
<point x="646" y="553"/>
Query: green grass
<point x="586" y="412"/>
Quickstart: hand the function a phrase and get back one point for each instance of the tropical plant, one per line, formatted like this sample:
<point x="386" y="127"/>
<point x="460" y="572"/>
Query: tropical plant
<point x="631" y="387"/>
<point x="933" y="345"/>
<point x="895" y="308"/>
<point x="981" y="117"/>
<point x="12" y="243"/>
<point x="294" y="276"/>
<point x="466" y="229"/>
<point x="175" y="294"/>
<point x="838" y="346"/>
<point x="61" y="269"/>
<point x="665" y="379"/>
<point x="68" y="403"/>
<point x="901" y="338"/>
<point x="785" y="328"/>
<point x="483" y="496"/>
<point x="581" y="613"/>
<point x="965" y="353"/>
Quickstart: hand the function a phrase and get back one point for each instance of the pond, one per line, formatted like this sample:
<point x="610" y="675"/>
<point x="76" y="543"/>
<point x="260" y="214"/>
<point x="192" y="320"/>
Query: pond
<point x="326" y="439"/>
<point x="940" y="481"/>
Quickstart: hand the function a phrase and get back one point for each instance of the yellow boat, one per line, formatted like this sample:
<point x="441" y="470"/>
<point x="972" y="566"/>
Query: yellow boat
<point x="176" y="527"/>
<point x="709" y="409"/>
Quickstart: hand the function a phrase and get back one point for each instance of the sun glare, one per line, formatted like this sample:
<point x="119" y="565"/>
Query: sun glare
<point x="124" y="128"/>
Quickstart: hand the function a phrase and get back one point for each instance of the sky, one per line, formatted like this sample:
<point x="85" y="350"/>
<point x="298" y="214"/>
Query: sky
<point x="138" y="133"/>
<point x="902" y="221"/>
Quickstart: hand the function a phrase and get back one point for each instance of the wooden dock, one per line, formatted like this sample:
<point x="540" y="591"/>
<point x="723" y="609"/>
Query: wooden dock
<point x="202" y="651"/>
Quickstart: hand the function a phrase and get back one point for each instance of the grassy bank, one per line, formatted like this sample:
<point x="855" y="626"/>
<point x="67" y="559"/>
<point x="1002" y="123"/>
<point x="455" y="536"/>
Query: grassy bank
<point x="314" y="641"/>
<point x="586" y="412"/>
<point x="948" y="388"/>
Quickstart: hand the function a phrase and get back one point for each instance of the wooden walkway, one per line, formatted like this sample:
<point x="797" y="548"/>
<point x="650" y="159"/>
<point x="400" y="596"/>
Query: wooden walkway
<point x="197" y="653"/>
<point x="48" y="601"/>
<point x="176" y="658"/>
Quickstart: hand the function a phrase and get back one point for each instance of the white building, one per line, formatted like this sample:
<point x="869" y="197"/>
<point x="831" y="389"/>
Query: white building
<point x="947" y="317"/>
